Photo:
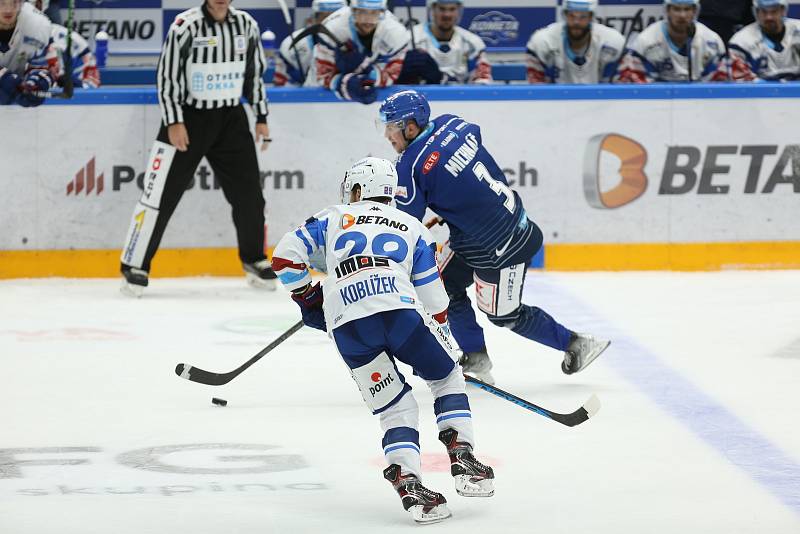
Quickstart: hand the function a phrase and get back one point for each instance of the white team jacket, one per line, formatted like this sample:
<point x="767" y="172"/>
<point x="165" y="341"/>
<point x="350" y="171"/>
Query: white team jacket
<point x="763" y="57"/>
<point x="464" y="61"/>
<point x="551" y="60"/>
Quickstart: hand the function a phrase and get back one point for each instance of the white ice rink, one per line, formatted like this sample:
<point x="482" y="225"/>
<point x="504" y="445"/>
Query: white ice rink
<point x="699" y="430"/>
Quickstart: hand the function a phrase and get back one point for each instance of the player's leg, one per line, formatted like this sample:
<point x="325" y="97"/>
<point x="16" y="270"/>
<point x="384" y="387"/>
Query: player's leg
<point x="500" y="298"/>
<point x="431" y="354"/>
<point x="457" y="277"/>
<point x="167" y="175"/>
<point x="234" y="161"/>
<point x="362" y="344"/>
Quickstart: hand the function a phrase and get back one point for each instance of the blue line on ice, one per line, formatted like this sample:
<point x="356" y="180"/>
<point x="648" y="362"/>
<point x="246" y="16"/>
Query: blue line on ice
<point x="709" y="420"/>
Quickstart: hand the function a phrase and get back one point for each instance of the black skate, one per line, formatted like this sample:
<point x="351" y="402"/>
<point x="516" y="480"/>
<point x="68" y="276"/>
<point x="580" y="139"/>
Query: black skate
<point x="583" y="349"/>
<point x="134" y="281"/>
<point x="260" y="275"/>
<point x="477" y="364"/>
<point x="472" y="478"/>
<point x="426" y="506"/>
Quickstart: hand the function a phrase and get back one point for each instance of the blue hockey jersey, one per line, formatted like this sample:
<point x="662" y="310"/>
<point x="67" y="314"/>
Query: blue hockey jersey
<point x="447" y="169"/>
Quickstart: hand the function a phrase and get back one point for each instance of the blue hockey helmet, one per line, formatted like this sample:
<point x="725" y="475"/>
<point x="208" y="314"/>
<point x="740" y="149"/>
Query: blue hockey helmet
<point x="404" y="106"/>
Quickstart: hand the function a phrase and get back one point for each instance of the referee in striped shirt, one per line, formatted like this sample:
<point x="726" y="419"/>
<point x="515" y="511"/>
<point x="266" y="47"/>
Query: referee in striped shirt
<point x="211" y="58"/>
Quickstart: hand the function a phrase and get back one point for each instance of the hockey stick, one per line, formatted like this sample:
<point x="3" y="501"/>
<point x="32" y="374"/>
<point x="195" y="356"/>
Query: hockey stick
<point x="201" y="376"/>
<point x="589" y="408"/>
<point x="315" y="29"/>
<point x="410" y="24"/>
<point x="286" y="16"/>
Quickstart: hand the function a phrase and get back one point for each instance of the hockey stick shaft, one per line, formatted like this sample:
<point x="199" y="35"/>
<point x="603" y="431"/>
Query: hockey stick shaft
<point x="68" y="83"/>
<point x="209" y="378"/>
<point x="589" y="408"/>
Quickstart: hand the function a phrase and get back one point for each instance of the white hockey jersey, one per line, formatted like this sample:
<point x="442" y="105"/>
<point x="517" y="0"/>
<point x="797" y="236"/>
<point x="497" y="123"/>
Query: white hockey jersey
<point x="654" y="57"/>
<point x="84" y="64"/>
<point x="382" y="63"/>
<point x="768" y="60"/>
<point x="461" y="60"/>
<point x="551" y="59"/>
<point x="293" y="63"/>
<point x="377" y="258"/>
<point x="30" y="47"/>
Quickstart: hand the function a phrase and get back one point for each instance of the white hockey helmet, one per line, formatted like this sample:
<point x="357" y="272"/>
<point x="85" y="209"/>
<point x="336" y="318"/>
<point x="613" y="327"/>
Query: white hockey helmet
<point x="579" y="5"/>
<point x="765" y="4"/>
<point x="326" y="6"/>
<point x="376" y="177"/>
<point x="378" y="5"/>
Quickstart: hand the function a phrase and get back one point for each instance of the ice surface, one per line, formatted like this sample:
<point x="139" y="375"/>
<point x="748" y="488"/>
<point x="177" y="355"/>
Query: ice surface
<point x="698" y="430"/>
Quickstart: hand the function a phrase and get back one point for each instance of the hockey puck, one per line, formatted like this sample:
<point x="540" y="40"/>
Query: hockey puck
<point x="219" y="402"/>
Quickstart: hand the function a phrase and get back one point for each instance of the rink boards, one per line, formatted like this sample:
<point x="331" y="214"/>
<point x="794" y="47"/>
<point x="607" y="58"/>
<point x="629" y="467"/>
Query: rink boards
<point x="661" y="177"/>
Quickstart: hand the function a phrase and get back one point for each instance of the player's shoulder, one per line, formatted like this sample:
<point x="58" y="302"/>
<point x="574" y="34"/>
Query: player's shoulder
<point x="35" y="26"/>
<point x="473" y="39"/>
<point x="546" y="37"/>
<point x="650" y="39"/>
<point x="608" y="35"/>
<point x="709" y="36"/>
<point x="747" y="37"/>
<point x="391" y="33"/>
<point x="792" y="28"/>
<point x="338" y="22"/>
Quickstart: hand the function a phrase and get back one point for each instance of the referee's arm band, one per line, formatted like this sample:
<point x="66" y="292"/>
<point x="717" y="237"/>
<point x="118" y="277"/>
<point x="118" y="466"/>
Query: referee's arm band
<point x="261" y="119"/>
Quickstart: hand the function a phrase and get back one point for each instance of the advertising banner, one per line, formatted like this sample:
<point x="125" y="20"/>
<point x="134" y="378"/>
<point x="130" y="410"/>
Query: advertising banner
<point x="616" y="171"/>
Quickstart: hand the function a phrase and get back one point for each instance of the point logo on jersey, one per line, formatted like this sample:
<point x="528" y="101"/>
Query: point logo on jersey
<point x="347" y="221"/>
<point x="86" y="178"/>
<point x="632" y="183"/>
<point x="376" y="377"/>
<point x="430" y="163"/>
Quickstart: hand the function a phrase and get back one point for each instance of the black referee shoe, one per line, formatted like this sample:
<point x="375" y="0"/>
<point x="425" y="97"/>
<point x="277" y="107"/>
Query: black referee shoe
<point x="134" y="281"/>
<point x="260" y="275"/>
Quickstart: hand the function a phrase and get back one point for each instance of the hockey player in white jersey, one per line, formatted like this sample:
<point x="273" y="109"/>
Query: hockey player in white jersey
<point x="443" y="51"/>
<point x="362" y="49"/>
<point x="383" y="301"/>
<point x="578" y="50"/>
<point x="84" y="64"/>
<point x="677" y="49"/>
<point x="769" y="47"/>
<point x="293" y="64"/>
<point x="26" y="54"/>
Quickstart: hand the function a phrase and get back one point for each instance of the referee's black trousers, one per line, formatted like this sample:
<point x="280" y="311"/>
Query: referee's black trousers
<point x="223" y="136"/>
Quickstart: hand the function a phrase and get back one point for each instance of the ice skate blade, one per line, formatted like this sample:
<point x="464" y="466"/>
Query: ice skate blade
<point x="259" y="283"/>
<point x="436" y="514"/>
<point x="131" y="290"/>
<point x="481" y="488"/>
<point x="602" y="345"/>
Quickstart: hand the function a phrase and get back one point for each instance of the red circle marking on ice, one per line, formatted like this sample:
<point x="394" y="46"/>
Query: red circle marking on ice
<point x="376" y="377"/>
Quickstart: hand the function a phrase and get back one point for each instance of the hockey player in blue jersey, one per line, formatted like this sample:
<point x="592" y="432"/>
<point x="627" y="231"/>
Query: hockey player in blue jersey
<point x="383" y="301"/>
<point x="444" y="166"/>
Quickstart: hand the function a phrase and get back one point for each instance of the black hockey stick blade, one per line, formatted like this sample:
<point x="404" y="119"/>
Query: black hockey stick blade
<point x="201" y="376"/>
<point x="315" y="29"/>
<point x="589" y="408"/>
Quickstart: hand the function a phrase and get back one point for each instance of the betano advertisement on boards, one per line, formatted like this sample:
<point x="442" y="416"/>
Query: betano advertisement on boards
<point x="610" y="172"/>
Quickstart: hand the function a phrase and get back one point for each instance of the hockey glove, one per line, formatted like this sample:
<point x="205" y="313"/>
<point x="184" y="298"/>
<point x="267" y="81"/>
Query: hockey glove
<point x="360" y="88"/>
<point x="419" y="67"/>
<point x="310" y="302"/>
<point x="34" y="82"/>
<point x="9" y="86"/>
<point x="349" y="60"/>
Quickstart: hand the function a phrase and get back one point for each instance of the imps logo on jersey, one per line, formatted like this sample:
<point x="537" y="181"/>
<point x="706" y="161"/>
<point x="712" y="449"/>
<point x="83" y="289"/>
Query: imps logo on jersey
<point x="632" y="180"/>
<point x="356" y="263"/>
<point x="347" y="221"/>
